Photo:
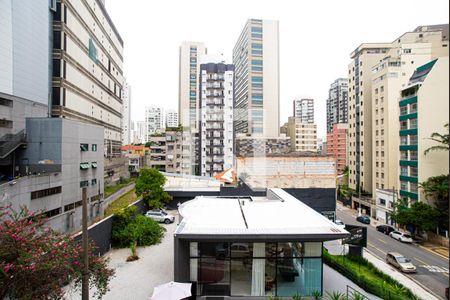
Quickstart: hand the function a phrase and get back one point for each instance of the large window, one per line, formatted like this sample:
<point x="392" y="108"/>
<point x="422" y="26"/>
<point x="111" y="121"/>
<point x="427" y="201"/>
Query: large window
<point x="45" y="192"/>
<point x="256" y="269"/>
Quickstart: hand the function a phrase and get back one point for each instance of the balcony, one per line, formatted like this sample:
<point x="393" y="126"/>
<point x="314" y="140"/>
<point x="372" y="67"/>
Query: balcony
<point x="408" y="194"/>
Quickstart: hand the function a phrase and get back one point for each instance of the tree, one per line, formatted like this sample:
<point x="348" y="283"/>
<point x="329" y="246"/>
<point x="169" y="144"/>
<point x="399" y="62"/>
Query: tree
<point x="442" y="139"/>
<point x="419" y="217"/>
<point x="148" y="144"/>
<point x="36" y="262"/>
<point x="346" y="171"/>
<point x="436" y="190"/>
<point x="150" y="185"/>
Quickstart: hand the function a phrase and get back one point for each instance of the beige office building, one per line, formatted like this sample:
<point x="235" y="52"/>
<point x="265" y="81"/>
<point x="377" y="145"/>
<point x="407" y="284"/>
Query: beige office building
<point x="303" y="135"/>
<point x="191" y="54"/>
<point x="257" y="92"/>
<point x="389" y="77"/>
<point x="87" y="68"/>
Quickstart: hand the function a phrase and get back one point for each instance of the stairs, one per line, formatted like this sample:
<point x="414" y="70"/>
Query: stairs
<point x="10" y="142"/>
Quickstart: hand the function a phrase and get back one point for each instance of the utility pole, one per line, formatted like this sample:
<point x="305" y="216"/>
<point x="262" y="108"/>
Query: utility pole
<point x="85" y="276"/>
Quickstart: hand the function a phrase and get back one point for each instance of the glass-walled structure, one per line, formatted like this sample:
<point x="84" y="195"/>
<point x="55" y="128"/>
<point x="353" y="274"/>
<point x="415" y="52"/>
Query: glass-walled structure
<point x="256" y="269"/>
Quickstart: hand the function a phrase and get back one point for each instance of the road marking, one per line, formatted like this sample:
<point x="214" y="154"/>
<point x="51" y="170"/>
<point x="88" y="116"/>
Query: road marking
<point x="382" y="241"/>
<point x="376" y="248"/>
<point x="435" y="269"/>
<point x="420" y="260"/>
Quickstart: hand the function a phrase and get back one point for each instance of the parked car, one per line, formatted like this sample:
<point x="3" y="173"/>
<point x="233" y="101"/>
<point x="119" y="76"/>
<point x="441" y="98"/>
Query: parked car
<point x="401" y="236"/>
<point x="386" y="229"/>
<point x="404" y="264"/>
<point x="160" y="216"/>
<point x="339" y="224"/>
<point x="363" y="219"/>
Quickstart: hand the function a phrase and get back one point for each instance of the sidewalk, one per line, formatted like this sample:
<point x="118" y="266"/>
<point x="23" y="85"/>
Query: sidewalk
<point x="437" y="249"/>
<point x="335" y="248"/>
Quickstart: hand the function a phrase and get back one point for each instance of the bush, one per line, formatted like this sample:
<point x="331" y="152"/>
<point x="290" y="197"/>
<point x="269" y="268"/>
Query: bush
<point x="130" y="227"/>
<point x="367" y="276"/>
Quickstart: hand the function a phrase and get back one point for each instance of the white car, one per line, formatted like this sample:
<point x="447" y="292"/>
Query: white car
<point x="339" y="224"/>
<point x="160" y="216"/>
<point x="401" y="236"/>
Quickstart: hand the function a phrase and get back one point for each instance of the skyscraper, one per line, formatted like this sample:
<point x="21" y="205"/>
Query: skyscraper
<point x="256" y="60"/>
<point x="304" y="110"/>
<point x="126" y="114"/>
<point x="216" y="118"/>
<point x="154" y="121"/>
<point x="188" y="95"/>
<point x="337" y="103"/>
<point x="87" y="68"/>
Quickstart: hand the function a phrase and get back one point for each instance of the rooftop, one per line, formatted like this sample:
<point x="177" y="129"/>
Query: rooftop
<point x="279" y="215"/>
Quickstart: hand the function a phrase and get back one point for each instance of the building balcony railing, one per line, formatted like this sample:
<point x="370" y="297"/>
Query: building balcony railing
<point x="408" y="178"/>
<point x="409" y="194"/>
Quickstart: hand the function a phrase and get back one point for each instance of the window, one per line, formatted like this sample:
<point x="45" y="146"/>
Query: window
<point x="403" y="125"/>
<point x="84" y="166"/>
<point x="52" y="213"/>
<point x="403" y="110"/>
<point x="94" y="165"/>
<point x="94" y="147"/>
<point x="94" y="181"/>
<point x="406" y="51"/>
<point x="413" y="155"/>
<point x="84" y="183"/>
<point x="382" y="202"/>
<point x="413" y="187"/>
<point x="404" y="185"/>
<point x="84" y="147"/>
<point x="45" y="192"/>
<point x="412" y="123"/>
<point x="413" y="171"/>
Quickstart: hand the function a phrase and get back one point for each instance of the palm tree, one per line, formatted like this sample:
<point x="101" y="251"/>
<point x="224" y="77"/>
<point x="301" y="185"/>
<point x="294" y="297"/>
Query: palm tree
<point x="442" y="139"/>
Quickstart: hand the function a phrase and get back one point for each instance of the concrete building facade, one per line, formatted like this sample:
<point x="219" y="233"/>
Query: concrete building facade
<point x="216" y="118"/>
<point x="304" y="109"/>
<point x="256" y="59"/>
<point x="247" y="145"/>
<point x="171" y="119"/>
<point x="126" y="114"/>
<point x="154" y="121"/>
<point x="337" y="103"/>
<point x="303" y="135"/>
<point x="87" y="82"/>
<point x="337" y="145"/>
<point x="423" y="109"/>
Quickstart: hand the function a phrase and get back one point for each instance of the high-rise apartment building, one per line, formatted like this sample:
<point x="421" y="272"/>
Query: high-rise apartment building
<point x="423" y="110"/>
<point x="337" y="145"/>
<point x="126" y="114"/>
<point x="304" y="109"/>
<point x="154" y="121"/>
<point x="360" y="113"/>
<point x="303" y="135"/>
<point x="141" y="133"/>
<point x="256" y="60"/>
<point x="337" y="103"/>
<point x="87" y="68"/>
<point x="191" y="54"/>
<point x="171" y="118"/>
<point x="216" y="118"/>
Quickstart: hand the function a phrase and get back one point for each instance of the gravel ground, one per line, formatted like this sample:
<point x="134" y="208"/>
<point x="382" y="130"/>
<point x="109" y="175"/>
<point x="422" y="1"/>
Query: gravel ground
<point x="136" y="280"/>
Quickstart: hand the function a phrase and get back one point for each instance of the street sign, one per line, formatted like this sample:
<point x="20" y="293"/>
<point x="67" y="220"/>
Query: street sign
<point x="358" y="235"/>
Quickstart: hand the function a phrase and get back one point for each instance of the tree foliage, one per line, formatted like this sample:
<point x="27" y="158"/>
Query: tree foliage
<point x="436" y="190"/>
<point x="441" y="139"/>
<point x="419" y="216"/>
<point x="132" y="228"/>
<point x="37" y="262"/>
<point x="150" y="185"/>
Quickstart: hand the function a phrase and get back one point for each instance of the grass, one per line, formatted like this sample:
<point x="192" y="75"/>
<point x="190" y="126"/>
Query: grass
<point x="121" y="202"/>
<point x="367" y="276"/>
<point x="109" y="190"/>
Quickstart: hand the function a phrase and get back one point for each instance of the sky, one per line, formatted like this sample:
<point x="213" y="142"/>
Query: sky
<point x="316" y="39"/>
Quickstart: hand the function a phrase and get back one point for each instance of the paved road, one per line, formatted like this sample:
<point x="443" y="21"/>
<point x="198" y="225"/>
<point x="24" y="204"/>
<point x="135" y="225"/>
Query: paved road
<point x="432" y="269"/>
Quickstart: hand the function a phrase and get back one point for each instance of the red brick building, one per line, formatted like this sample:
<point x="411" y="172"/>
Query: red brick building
<point x="337" y="145"/>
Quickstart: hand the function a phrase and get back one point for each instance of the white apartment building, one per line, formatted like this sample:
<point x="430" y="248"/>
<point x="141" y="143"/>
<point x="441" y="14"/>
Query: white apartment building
<point x="140" y="135"/>
<point x="389" y="77"/>
<point x="257" y="92"/>
<point x="188" y="95"/>
<point x="216" y="118"/>
<point x="87" y="68"/>
<point x="171" y="118"/>
<point x="154" y="121"/>
<point x="337" y="103"/>
<point x="303" y="108"/>
<point x="303" y="135"/>
<point x="126" y="114"/>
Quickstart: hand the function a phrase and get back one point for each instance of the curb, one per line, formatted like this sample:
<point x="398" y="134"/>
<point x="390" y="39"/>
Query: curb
<point x="431" y="251"/>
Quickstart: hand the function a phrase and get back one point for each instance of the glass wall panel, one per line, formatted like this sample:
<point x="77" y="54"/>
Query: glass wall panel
<point x="213" y="277"/>
<point x="299" y="275"/>
<point x="311" y="276"/>
<point x="313" y="249"/>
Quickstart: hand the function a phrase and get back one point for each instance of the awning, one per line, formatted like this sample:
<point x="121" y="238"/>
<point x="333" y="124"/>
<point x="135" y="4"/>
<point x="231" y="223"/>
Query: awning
<point x="84" y="166"/>
<point x="94" y="164"/>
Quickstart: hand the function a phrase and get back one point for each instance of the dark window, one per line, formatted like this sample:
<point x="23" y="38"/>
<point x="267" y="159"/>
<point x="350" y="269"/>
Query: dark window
<point x="56" y="97"/>
<point x="57" y="14"/>
<point x="64" y="69"/>
<point x="65" y="42"/>
<point x="64" y="96"/>
<point x="84" y="183"/>
<point x="65" y="14"/>
<point x="57" y="40"/>
<point x="94" y="147"/>
<point x="84" y="147"/>
<point x="6" y="123"/>
<point x="45" y="192"/>
<point x="109" y="66"/>
<point x="53" y="212"/>
<point x="56" y="68"/>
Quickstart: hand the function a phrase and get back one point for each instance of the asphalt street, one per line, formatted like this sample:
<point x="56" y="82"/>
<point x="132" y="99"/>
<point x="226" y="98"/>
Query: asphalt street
<point x="432" y="269"/>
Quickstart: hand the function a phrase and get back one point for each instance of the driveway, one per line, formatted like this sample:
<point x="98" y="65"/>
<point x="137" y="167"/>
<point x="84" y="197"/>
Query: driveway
<point x="136" y="280"/>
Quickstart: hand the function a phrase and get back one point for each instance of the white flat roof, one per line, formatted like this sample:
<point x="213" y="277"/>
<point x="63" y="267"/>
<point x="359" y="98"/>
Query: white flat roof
<point x="277" y="215"/>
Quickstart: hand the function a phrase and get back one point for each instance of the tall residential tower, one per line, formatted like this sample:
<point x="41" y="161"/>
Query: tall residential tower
<point x="304" y="110"/>
<point x="337" y="103"/>
<point x="256" y="59"/>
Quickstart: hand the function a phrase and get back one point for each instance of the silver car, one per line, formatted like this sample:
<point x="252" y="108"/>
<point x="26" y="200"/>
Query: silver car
<point x="399" y="261"/>
<point x="160" y="216"/>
